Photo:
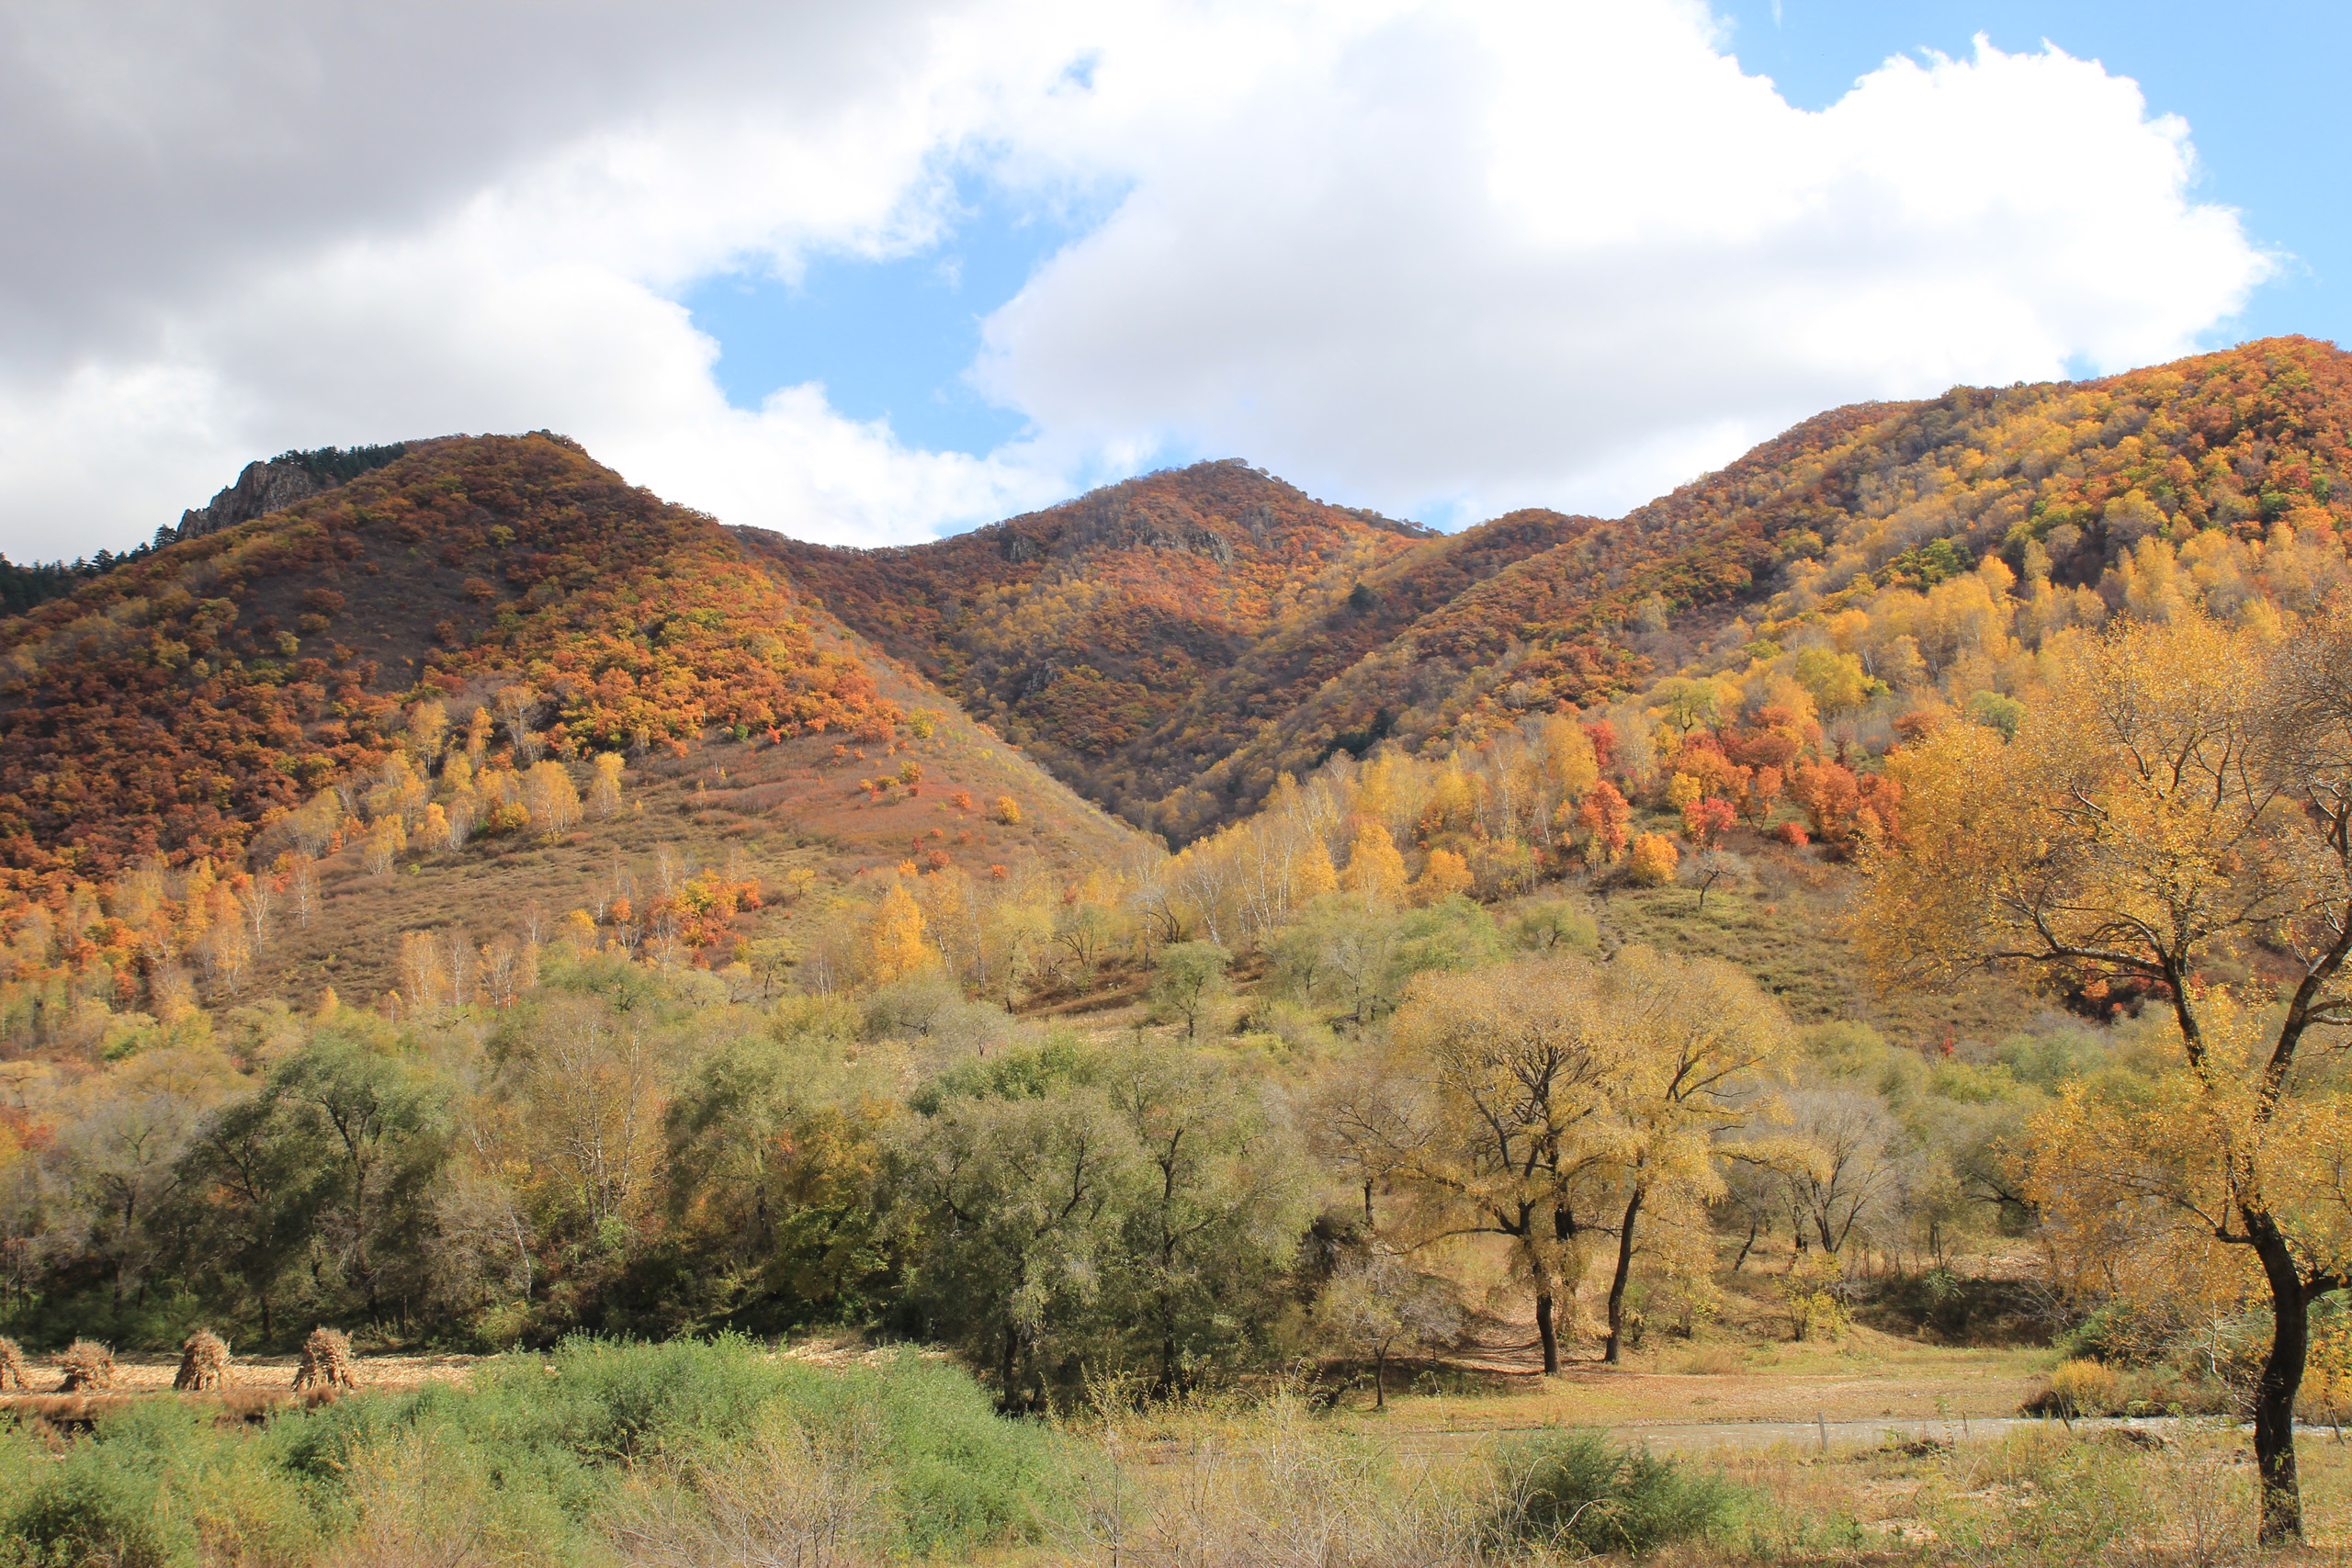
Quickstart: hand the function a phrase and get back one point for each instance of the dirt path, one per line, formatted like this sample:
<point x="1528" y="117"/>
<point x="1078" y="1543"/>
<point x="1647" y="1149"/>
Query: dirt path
<point x="1864" y="1376"/>
<point x="143" y="1374"/>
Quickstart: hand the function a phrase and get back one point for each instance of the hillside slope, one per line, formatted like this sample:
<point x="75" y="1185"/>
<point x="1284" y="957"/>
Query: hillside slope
<point x="1082" y="630"/>
<point x="1442" y="642"/>
<point x="379" y="706"/>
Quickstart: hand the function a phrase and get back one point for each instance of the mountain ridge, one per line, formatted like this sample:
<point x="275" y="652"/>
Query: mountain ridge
<point x="1170" y="649"/>
<point x="1536" y="610"/>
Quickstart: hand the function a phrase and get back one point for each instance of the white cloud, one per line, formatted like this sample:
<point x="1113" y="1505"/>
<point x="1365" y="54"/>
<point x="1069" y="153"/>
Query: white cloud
<point x="1465" y="254"/>
<point x="1501" y="259"/>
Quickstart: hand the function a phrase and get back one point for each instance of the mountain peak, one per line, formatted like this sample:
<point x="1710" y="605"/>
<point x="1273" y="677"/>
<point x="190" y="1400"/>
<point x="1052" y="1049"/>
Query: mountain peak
<point x="277" y="483"/>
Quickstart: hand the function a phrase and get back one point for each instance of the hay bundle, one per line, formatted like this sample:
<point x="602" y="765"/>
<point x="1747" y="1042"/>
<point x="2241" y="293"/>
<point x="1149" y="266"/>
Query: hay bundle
<point x="88" y="1365"/>
<point x="326" y="1361"/>
<point x="12" y="1365"/>
<point x="204" y="1361"/>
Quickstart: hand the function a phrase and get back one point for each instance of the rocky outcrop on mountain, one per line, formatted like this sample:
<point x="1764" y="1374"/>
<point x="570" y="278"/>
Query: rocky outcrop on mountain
<point x="262" y="489"/>
<point x="275" y="485"/>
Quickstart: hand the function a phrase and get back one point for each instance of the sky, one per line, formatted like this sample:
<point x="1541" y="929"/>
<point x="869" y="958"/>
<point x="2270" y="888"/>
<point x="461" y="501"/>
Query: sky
<point x="871" y="274"/>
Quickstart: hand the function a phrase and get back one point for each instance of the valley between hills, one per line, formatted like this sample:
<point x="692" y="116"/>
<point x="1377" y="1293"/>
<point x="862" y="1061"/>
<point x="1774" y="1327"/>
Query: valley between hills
<point x="1193" y="962"/>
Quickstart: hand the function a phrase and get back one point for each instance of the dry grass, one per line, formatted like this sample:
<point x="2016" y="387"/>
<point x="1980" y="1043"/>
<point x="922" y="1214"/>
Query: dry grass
<point x="204" y="1362"/>
<point x="1226" y="1488"/>
<point x="154" y="1374"/>
<point x="86" y="1365"/>
<point x="327" y="1362"/>
<point x="1783" y="928"/>
<point x="779" y="808"/>
<point x="779" y="1501"/>
<point x="411" y="1509"/>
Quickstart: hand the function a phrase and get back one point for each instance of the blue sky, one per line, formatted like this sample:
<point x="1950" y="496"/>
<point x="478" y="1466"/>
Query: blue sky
<point x="891" y="338"/>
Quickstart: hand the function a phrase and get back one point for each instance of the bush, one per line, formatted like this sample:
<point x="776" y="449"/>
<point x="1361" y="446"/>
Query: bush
<point x="94" y="1507"/>
<point x="1577" y="1489"/>
<point x="556" y="1432"/>
<point x="1550" y="924"/>
<point x="1655" y="858"/>
<point x="2080" y="1388"/>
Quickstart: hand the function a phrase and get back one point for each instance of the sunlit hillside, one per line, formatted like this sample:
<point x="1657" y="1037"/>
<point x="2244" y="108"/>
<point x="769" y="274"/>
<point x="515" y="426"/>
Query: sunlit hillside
<point x="2090" y="496"/>
<point x="260" y="760"/>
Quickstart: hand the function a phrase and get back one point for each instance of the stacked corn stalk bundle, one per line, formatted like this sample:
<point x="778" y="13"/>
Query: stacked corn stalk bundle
<point x="88" y="1365"/>
<point x="326" y="1361"/>
<point x="204" y="1362"/>
<point x="12" y="1366"/>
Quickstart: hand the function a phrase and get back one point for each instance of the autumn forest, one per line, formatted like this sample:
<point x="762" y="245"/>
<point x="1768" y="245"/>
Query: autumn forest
<point x="894" y="1031"/>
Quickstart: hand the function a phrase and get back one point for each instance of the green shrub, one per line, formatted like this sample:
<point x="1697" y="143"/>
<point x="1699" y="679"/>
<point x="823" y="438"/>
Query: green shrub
<point x="605" y="1400"/>
<point x="93" y="1508"/>
<point x="1577" y="1489"/>
<point x="557" y="1430"/>
<point x="534" y="1456"/>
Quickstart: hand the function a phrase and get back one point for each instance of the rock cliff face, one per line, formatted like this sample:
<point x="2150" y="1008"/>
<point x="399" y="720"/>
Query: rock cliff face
<point x="262" y="489"/>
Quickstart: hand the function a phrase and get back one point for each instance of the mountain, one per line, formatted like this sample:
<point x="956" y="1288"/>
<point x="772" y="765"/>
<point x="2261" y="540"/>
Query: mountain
<point x="385" y="701"/>
<point x="312" y="697"/>
<point x="1079" y="631"/>
<point x="1171" y="672"/>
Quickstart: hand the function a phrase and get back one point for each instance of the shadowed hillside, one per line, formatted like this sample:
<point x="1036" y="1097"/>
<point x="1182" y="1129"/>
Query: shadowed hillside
<point x="1081" y="630"/>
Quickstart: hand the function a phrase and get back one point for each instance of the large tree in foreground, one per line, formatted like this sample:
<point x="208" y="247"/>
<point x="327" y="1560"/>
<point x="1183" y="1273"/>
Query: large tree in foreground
<point x="2175" y="811"/>
<point x="1574" y="1108"/>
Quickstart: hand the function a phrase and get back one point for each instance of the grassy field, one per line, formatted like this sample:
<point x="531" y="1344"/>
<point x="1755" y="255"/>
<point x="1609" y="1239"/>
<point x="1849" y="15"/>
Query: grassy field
<point x="838" y="1453"/>
<point x="1784" y="927"/>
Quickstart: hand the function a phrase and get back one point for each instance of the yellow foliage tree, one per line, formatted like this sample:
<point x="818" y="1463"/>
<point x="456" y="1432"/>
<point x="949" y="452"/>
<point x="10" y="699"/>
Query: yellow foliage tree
<point x="605" y="790"/>
<point x="1702" y="1036"/>
<point x="895" y="945"/>
<point x="1507" y="1126"/>
<point x="1445" y="875"/>
<point x="386" y="840"/>
<point x="1654" y="860"/>
<point x="1312" y="873"/>
<point x="2182" y="793"/>
<point x="549" y="797"/>
<point x="1376" y="870"/>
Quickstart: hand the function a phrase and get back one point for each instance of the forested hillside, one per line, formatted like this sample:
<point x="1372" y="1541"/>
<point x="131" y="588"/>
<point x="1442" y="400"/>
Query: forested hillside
<point x="436" y="703"/>
<point x="482" y="904"/>
<point x="1077" y="631"/>
<point x="1844" y="532"/>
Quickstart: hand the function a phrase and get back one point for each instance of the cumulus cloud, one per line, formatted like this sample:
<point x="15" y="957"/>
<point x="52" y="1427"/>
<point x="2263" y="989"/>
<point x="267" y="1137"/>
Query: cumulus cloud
<point x="1568" y="258"/>
<point x="1458" y="255"/>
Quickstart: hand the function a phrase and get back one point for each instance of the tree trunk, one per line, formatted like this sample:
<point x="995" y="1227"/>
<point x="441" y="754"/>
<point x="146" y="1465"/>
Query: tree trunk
<point x="1167" y="1351"/>
<point x="1616" y="1347"/>
<point x="1746" y="1246"/>
<point x="1367" y="1202"/>
<point x="1547" y="1333"/>
<point x="1005" y="1368"/>
<point x="1380" y="1378"/>
<point x="2274" y="1392"/>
